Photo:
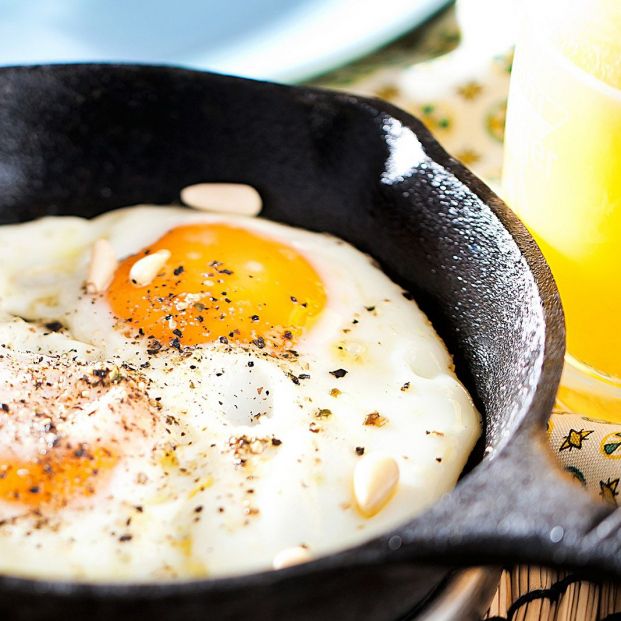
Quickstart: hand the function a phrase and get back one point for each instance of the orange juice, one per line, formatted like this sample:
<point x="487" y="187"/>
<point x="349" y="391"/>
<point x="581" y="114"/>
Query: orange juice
<point x="562" y="171"/>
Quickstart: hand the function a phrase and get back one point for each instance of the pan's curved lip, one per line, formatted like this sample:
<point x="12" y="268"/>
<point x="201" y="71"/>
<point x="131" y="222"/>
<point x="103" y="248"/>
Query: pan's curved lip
<point x="544" y="394"/>
<point x="534" y="411"/>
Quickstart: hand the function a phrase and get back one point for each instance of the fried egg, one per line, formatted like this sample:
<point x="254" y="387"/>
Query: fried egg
<point x="228" y="395"/>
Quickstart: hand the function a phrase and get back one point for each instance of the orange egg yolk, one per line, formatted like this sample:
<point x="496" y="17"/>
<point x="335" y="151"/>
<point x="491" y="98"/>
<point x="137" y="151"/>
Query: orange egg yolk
<point x="56" y="478"/>
<point x="220" y="283"/>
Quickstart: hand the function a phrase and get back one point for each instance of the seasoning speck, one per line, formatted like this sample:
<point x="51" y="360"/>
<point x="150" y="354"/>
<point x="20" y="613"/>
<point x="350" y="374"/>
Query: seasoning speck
<point x="54" y="326"/>
<point x="338" y="373"/>
<point x="375" y="419"/>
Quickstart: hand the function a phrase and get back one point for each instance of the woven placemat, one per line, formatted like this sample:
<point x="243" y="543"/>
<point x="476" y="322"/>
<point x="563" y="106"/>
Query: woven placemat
<point x="527" y="593"/>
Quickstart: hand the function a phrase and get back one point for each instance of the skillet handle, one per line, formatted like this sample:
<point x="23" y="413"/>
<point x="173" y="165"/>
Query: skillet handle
<point x="517" y="507"/>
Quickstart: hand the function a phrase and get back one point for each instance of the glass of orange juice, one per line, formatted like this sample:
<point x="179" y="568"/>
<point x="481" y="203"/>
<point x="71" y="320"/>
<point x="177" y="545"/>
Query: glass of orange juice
<point x="562" y="176"/>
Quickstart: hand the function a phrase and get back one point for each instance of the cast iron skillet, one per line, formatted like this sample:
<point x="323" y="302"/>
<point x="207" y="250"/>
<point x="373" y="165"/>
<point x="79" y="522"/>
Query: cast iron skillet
<point x="88" y="138"/>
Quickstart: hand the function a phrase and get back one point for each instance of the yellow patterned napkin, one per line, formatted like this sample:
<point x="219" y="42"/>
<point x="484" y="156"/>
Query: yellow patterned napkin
<point x="590" y="450"/>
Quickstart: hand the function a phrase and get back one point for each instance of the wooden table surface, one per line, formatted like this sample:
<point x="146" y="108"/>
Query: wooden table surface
<point x="528" y="593"/>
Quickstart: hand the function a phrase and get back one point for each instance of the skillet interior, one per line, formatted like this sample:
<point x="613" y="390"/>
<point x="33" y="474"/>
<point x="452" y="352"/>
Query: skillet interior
<point x="84" y="139"/>
<point x="81" y="140"/>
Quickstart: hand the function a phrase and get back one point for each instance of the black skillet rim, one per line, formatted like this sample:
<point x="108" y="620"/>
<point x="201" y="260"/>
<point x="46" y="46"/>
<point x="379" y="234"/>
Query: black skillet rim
<point x="533" y="412"/>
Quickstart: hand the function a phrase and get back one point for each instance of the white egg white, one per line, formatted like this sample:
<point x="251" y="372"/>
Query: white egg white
<point x="242" y="459"/>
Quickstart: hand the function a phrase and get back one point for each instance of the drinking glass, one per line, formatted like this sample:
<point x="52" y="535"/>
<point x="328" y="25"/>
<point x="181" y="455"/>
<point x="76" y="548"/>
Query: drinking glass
<point x="562" y="176"/>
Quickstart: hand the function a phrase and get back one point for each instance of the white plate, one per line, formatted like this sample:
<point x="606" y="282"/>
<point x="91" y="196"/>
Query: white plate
<point x="283" y="40"/>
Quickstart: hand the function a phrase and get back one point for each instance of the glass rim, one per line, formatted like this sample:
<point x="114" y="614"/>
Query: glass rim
<point x="545" y="39"/>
